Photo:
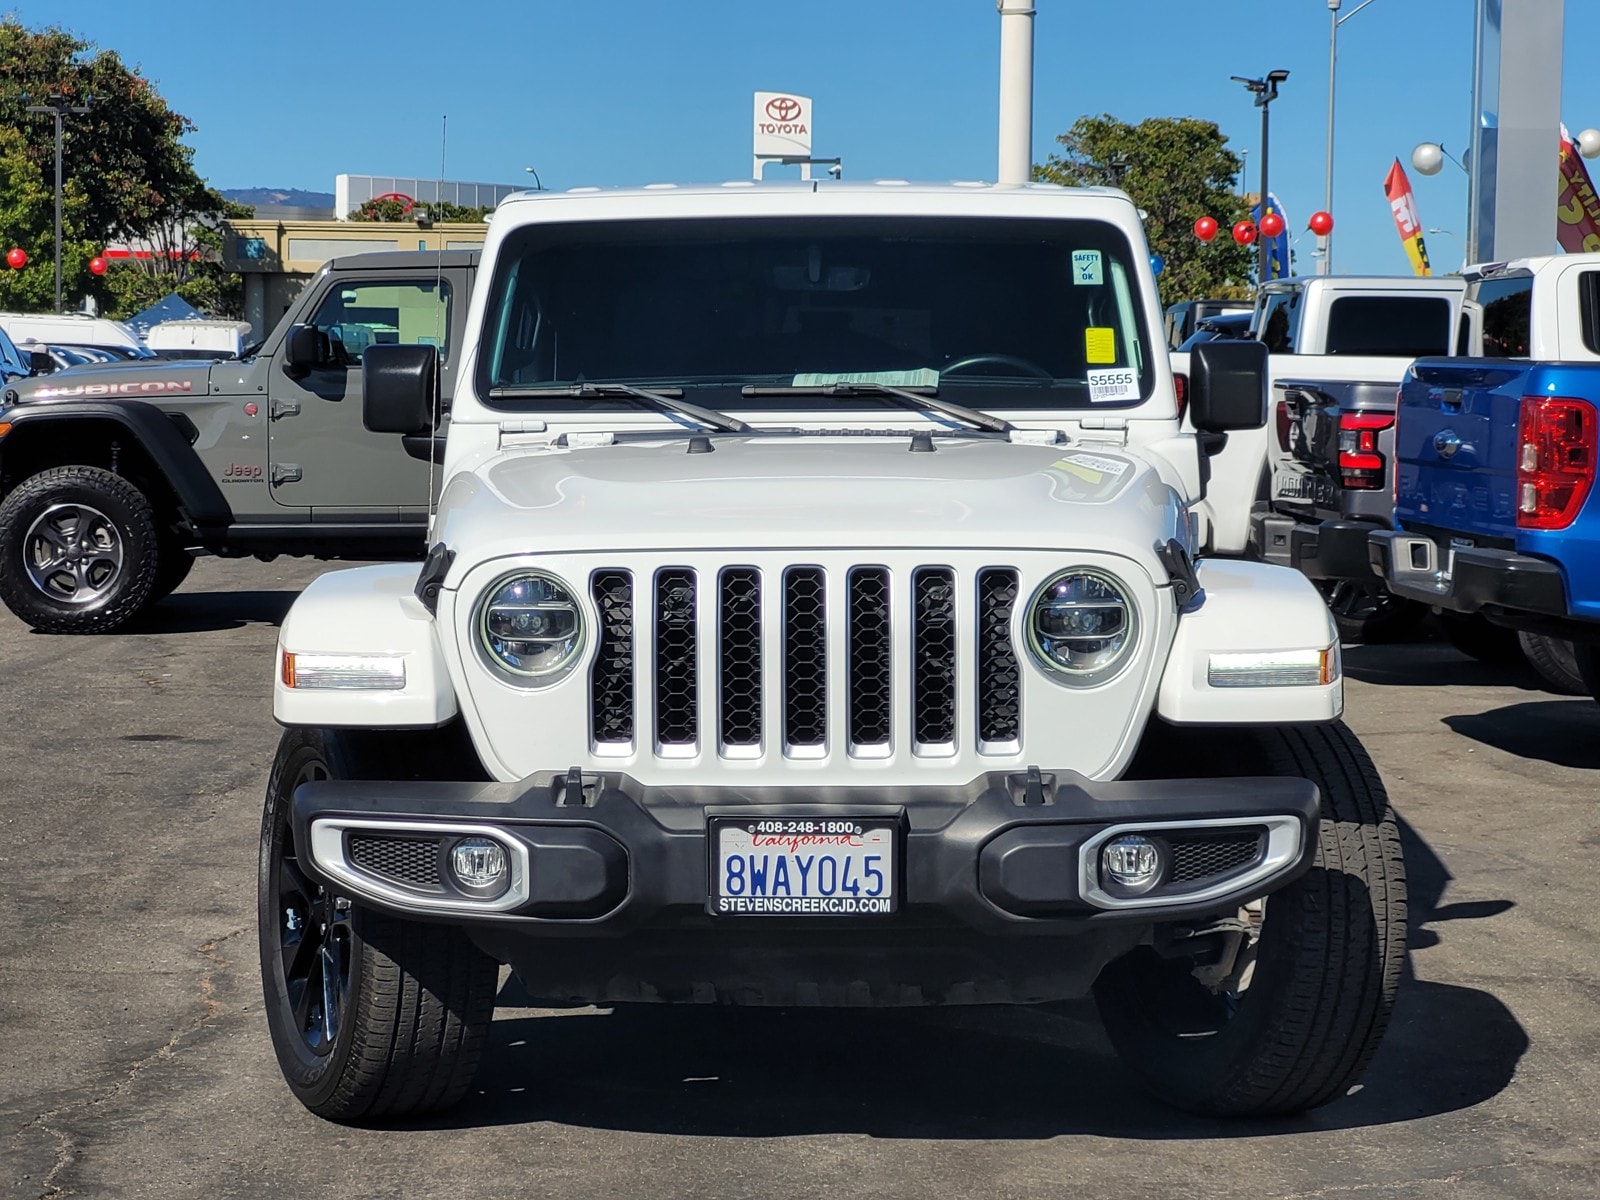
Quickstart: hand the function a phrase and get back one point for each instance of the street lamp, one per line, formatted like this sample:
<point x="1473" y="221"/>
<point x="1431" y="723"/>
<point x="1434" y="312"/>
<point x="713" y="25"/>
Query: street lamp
<point x="1265" y="91"/>
<point x="59" y="108"/>
<point x="1325" y="241"/>
<point x="1429" y="158"/>
<point x="1435" y="230"/>
<point x="537" y="185"/>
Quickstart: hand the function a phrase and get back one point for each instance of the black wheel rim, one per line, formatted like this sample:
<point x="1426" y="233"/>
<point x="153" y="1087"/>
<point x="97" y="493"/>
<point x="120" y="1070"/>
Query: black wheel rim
<point x="313" y="938"/>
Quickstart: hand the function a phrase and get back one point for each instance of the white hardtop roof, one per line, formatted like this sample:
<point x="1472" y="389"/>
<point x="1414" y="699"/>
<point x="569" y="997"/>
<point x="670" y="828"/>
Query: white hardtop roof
<point x="880" y="196"/>
<point x="1353" y="282"/>
<point x="1479" y="270"/>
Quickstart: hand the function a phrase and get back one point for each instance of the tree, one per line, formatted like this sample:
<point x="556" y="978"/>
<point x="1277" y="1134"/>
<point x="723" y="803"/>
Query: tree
<point x="1177" y="169"/>
<point x="387" y="208"/>
<point x="128" y="175"/>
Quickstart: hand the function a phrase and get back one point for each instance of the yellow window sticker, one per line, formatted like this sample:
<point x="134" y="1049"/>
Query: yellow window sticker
<point x="1100" y="344"/>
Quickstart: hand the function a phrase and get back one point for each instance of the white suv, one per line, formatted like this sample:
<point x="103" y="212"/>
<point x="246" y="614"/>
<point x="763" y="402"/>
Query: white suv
<point x="811" y="619"/>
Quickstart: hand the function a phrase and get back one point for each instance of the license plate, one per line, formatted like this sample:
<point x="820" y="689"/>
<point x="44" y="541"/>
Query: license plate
<point x="823" y="867"/>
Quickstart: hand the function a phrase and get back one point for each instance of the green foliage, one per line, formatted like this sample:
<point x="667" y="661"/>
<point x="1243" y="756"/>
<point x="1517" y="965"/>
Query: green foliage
<point x="438" y="211"/>
<point x="1177" y="169"/>
<point x="128" y="176"/>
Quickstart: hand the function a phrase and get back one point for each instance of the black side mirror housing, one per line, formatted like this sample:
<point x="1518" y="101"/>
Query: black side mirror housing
<point x="40" y="363"/>
<point x="304" y="348"/>
<point x="399" y="388"/>
<point x="1228" y="386"/>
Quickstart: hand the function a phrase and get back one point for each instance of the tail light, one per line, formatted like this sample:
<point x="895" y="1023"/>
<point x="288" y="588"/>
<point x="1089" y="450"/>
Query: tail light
<point x="1360" y="464"/>
<point x="1282" y="416"/>
<point x="1555" y="460"/>
<point x="1180" y="385"/>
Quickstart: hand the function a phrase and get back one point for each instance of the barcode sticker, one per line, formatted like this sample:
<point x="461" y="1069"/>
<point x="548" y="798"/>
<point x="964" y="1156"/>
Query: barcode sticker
<point x="1118" y="383"/>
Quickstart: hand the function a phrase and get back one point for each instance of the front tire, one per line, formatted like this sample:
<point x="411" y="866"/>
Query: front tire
<point x="79" y="552"/>
<point x="371" y="1016"/>
<point x="1295" y="1025"/>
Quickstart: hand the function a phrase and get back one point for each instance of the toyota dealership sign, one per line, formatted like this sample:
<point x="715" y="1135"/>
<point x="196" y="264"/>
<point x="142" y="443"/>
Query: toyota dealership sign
<point x="783" y="125"/>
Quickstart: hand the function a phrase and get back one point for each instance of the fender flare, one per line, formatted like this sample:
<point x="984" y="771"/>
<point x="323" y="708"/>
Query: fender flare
<point x="156" y="434"/>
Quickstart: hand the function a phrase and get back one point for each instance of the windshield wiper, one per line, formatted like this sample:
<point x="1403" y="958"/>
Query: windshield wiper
<point x="664" y="400"/>
<point x="922" y="399"/>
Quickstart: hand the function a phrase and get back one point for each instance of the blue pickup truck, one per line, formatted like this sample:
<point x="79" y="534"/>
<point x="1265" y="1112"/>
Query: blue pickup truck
<point x="1498" y="520"/>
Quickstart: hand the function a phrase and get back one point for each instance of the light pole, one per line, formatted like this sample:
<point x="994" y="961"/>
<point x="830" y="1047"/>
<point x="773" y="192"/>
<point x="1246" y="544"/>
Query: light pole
<point x="1451" y="235"/>
<point x="537" y="185"/>
<point x="59" y="108"/>
<point x="1265" y="92"/>
<point x="1325" y="241"/>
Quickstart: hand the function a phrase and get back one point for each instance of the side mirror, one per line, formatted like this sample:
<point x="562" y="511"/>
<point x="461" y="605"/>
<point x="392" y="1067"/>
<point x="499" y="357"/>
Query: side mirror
<point x="303" y="349"/>
<point x="1228" y="386"/>
<point x="40" y="363"/>
<point x="399" y="388"/>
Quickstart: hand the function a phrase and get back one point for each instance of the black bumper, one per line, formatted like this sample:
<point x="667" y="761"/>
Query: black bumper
<point x="1320" y="550"/>
<point x="1002" y="854"/>
<point x="1468" y="579"/>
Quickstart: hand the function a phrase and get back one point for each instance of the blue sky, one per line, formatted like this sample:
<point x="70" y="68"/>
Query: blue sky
<point x="614" y="92"/>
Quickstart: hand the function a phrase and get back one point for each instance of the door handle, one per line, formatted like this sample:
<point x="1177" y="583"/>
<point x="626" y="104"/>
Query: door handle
<point x="284" y="408"/>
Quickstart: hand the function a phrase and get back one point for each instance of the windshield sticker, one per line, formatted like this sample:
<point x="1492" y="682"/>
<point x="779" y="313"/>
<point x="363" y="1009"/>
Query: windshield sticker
<point x="917" y="377"/>
<point x="1100" y="344"/>
<point x="1086" y="267"/>
<point x="1119" y="383"/>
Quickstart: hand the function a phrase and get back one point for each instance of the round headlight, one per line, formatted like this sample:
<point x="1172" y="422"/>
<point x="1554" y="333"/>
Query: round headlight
<point x="1080" y="626"/>
<point x="530" y="628"/>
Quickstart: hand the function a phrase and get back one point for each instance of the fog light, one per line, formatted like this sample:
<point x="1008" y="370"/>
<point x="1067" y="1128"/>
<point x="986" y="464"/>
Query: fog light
<point x="1131" y="863"/>
<point x="479" y="865"/>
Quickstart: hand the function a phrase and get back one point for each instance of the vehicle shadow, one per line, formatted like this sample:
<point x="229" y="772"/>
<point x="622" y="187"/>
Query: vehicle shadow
<point x="1563" y="732"/>
<point x="1430" y="664"/>
<point x="207" y="612"/>
<point x="959" y="1073"/>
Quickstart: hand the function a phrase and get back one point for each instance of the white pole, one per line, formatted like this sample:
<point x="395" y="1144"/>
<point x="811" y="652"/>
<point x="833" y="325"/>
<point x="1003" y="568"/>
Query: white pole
<point x="1325" y="241"/>
<point x="1016" y="91"/>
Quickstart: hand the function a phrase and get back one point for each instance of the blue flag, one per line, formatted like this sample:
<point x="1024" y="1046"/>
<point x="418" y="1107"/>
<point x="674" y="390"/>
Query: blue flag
<point x="1280" y="263"/>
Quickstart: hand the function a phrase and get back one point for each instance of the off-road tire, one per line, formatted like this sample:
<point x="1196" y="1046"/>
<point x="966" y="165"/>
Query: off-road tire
<point x="1555" y="661"/>
<point x="420" y="997"/>
<point x="1366" y="612"/>
<point x="1476" y="637"/>
<point x="124" y="506"/>
<point x="175" y="565"/>
<point x="1329" y="960"/>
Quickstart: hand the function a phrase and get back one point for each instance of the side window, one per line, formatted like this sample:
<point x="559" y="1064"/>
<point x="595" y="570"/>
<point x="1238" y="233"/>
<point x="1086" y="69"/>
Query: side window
<point x="1395" y="326"/>
<point x="1589" y="309"/>
<point x="1507" y="303"/>
<point x="357" y="315"/>
<point x="1280" y="322"/>
<point x="10" y="356"/>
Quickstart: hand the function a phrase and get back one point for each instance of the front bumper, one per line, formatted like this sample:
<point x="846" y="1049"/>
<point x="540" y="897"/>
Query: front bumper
<point x="1468" y="579"/>
<point x="1332" y="549"/>
<point x="602" y="855"/>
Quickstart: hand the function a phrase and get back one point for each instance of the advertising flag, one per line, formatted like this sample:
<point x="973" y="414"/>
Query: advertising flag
<point x="1279" y="262"/>
<point x="1404" y="207"/>
<point x="1577" y="206"/>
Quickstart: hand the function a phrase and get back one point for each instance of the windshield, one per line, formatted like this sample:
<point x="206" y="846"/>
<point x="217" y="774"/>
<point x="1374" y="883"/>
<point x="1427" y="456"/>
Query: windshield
<point x="999" y="313"/>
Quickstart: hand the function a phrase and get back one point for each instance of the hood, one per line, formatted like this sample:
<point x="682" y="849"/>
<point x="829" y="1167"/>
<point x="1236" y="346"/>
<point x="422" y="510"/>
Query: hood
<point x="148" y="379"/>
<point x="777" y="492"/>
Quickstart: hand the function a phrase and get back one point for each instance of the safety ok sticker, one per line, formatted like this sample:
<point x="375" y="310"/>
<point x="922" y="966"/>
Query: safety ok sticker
<point x="1116" y="383"/>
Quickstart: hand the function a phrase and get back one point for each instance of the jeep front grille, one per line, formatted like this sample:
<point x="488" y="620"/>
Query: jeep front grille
<point x="744" y="661"/>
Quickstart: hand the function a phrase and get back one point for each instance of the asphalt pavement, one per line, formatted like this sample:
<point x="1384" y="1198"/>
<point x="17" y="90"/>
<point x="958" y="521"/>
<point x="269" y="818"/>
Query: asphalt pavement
<point x="134" y="1058"/>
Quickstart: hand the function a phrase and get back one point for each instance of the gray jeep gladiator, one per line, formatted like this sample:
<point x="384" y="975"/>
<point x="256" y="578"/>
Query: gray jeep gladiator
<point x="114" y="476"/>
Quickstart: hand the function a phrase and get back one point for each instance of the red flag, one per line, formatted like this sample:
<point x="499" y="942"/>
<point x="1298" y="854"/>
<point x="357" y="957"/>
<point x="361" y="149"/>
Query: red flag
<point x="1577" y="206"/>
<point x="1397" y="187"/>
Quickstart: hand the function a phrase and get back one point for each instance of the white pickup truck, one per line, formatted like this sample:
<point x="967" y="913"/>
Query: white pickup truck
<point x="811" y="619"/>
<point x="1356" y="328"/>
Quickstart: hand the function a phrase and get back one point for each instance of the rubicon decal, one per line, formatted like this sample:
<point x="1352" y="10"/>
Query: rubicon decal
<point x="147" y="387"/>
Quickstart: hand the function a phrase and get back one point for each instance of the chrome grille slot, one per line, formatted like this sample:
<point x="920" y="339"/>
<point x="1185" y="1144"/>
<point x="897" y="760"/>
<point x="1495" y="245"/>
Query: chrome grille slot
<point x="999" y="677"/>
<point x="871" y="659"/>
<point x="611" y="677"/>
<point x="739" y="657"/>
<point x="676" y="650"/>
<point x="933" y="658"/>
<point x="805" y="660"/>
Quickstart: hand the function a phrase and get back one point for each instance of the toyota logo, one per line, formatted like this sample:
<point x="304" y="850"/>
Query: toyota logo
<point x="783" y="108"/>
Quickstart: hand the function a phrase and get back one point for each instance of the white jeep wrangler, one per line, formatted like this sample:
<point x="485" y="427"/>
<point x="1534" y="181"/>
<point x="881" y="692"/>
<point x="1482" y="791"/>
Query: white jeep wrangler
<point x="811" y="619"/>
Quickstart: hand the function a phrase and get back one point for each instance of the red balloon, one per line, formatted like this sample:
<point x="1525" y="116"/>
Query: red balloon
<point x="1205" y="228"/>
<point x="97" y="265"/>
<point x="17" y="257"/>
<point x="1271" y="225"/>
<point x="1244" y="232"/>
<point x="1321" y="223"/>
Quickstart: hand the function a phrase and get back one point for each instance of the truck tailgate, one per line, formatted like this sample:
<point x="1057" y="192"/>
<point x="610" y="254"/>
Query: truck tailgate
<point x="1318" y="420"/>
<point x="1456" y="445"/>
